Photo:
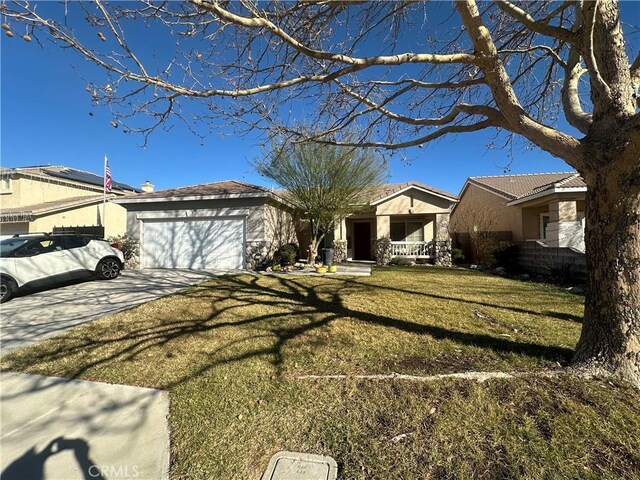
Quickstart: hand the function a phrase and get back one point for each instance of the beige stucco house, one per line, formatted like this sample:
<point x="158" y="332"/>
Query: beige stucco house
<point x="413" y="215"/>
<point x="232" y="224"/>
<point x="41" y="198"/>
<point x="543" y="207"/>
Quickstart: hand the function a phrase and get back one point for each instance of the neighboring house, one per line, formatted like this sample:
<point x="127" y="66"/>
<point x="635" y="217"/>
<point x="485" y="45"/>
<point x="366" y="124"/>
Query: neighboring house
<point x="222" y="225"/>
<point x="233" y="225"/>
<point x="41" y="198"/>
<point x="413" y="215"/>
<point x="545" y="207"/>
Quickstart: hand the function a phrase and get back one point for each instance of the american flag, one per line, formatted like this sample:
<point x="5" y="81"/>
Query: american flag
<point x="107" y="178"/>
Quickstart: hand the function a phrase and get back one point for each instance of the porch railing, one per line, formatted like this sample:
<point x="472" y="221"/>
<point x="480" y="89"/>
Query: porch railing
<point x="412" y="249"/>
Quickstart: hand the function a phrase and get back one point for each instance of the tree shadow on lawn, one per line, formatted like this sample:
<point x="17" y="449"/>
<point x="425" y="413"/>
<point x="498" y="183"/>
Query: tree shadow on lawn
<point x="308" y="307"/>
<point x="547" y="313"/>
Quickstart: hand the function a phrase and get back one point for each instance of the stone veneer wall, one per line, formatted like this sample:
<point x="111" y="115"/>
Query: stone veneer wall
<point x="442" y="252"/>
<point x="340" y="250"/>
<point x="257" y="254"/>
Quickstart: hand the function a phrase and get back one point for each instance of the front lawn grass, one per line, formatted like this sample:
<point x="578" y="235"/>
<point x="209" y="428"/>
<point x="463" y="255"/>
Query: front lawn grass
<point x="229" y="351"/>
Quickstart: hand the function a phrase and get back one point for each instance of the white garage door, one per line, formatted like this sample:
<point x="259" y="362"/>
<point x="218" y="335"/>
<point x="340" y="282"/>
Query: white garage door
<point x="194" y="243"/>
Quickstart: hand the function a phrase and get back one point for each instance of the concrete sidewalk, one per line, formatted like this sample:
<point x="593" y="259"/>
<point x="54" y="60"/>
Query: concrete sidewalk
<point x="59" y="429"/>
<point x="31" y="318"/>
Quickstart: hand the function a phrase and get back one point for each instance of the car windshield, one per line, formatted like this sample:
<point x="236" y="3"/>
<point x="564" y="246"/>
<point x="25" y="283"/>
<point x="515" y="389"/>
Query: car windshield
<point x="8" y="245"/>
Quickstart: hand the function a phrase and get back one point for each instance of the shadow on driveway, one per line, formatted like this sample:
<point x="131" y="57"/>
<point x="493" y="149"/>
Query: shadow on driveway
<point x="34" y="317"/>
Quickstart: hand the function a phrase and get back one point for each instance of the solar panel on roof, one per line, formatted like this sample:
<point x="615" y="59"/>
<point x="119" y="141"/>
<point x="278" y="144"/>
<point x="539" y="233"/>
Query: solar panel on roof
<point x="86" y="177"/>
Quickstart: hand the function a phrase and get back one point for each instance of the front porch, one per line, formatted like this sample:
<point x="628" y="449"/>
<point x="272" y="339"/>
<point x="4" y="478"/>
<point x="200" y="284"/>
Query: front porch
<point x="559" y="222"/>
<point x="412" y="236"/>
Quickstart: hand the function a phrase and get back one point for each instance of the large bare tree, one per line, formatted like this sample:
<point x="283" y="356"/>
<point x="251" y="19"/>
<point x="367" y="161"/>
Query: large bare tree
<point x="559" y="75"/>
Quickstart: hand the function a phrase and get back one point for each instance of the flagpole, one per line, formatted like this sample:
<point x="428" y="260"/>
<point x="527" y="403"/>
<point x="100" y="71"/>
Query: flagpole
<point x="104" y="195"/>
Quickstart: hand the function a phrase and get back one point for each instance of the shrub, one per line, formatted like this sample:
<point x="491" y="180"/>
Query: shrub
<point x="507" y="256"/>
<point x="286" y="254"/>
<point x="560" y="271"/>
<point x="402" y="262"/>
<point x="130" y="249"/>
<point x="457" y="256"/>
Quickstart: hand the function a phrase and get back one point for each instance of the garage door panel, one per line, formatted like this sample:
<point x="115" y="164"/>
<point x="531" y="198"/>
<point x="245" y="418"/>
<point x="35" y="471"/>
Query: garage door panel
<point x="197" y="244"/>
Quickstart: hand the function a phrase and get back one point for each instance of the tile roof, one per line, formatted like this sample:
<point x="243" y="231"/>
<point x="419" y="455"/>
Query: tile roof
<point x="235" y="187"/>
<point x="73" y="174"/>
<point x="222" y="188"/>
<point x="523" y="185"/>
<point x="388" y="189"/>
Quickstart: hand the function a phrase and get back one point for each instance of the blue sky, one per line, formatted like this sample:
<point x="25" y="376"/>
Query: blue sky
<point x="45" y="120"/>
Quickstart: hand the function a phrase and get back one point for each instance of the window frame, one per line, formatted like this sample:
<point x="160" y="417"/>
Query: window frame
<point x="542" y="231"/>
<point x="405" y="236"/>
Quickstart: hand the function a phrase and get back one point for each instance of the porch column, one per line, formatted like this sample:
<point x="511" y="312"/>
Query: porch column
<point x="442" y="242"/>
<point x="383" y="226"/>
<point x="564" y="229"/>
<point x="340" y="230"/>
<point x="442" y="226"/>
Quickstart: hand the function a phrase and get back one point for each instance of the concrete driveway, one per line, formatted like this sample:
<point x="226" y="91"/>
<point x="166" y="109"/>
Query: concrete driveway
<point x="59" y="429"/>
<point x="31" y="318"/>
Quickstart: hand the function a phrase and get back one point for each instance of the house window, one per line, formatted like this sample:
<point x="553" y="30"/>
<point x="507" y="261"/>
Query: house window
<point x="407" y="232"/>
<point x="544" y="222"/>
<point x="397" y="232"/>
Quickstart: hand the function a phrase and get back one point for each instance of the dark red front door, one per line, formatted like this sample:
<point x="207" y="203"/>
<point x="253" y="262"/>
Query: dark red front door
<point x="362" y="241"/>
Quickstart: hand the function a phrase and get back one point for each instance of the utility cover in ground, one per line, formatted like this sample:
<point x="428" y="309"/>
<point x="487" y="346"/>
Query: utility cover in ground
<point x="300" y="466"/>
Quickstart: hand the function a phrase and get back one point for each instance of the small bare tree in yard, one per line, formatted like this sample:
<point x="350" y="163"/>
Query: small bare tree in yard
<point x="403" y="74"/>
<point x="324" y="183"/>
<point x="479" y="222"/>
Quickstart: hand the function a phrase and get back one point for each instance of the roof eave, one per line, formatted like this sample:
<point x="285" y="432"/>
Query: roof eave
<point x="138" y="199"/>
<point x="409" y="187"/>
<point x="544" y="193"/>
<point x="67" y="181"/>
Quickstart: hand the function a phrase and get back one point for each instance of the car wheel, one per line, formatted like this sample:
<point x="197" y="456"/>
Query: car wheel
<point x="108" y="269"/>
<point x="7" y="289"/>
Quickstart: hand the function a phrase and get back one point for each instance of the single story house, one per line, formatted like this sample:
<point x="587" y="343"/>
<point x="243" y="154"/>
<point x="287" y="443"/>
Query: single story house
<point x="234" y="225"/>
<point x="42" y="198"/>
<point x="544" y="207"/>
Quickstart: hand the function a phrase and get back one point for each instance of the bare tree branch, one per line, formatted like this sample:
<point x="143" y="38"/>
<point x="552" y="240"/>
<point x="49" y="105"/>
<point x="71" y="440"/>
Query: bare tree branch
<point x="282" y="56"/>
<point x="262" y="23"/>
<point x="570" y="95"/>
<point x="542" y="27"/>
<point x="450" y="129"/>
<point x="589" y="24"/>
<point x="548" y="139"/>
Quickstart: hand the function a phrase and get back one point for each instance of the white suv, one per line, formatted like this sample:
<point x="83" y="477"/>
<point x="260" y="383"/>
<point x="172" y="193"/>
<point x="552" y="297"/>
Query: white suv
<point x="31" y="260"/>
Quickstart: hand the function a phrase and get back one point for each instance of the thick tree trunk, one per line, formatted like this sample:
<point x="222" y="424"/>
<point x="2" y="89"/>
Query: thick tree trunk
<point x="610" y="339"/>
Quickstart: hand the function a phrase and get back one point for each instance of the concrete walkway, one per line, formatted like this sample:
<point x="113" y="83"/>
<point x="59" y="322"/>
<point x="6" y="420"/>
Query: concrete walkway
<point x="33" y="317"/>
<point x="59" y="429"/>
<point x="344" y="269"/>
